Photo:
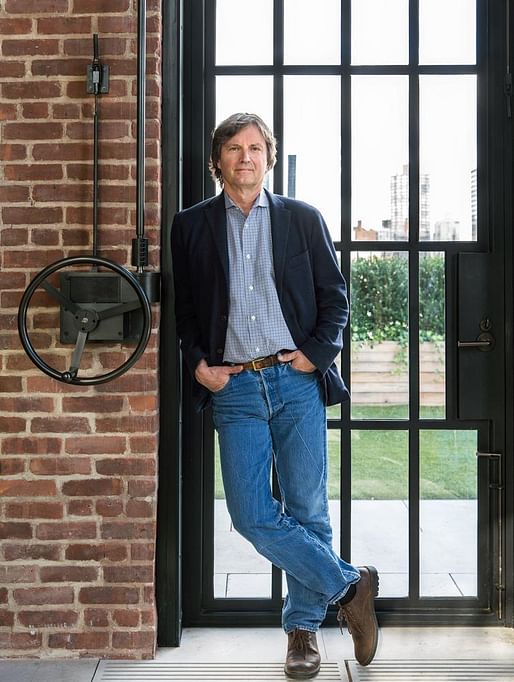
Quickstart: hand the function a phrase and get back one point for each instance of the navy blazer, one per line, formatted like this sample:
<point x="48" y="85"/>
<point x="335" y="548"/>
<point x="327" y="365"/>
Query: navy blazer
<point x="310" y="286"/>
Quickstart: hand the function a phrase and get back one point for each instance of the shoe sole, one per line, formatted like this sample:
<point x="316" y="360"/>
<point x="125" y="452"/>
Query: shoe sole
<point x="373" y="573"/>
<point x="301" y="676"/>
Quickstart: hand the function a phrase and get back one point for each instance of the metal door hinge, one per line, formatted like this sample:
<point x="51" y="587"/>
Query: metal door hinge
<point x="491" y="455"/>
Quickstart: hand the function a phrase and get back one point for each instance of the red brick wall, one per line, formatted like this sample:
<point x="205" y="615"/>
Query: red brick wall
<point x="77" y="464"/>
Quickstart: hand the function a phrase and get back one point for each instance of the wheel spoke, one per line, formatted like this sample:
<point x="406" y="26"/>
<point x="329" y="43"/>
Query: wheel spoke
<point x="77" y="352"/>
<point x="64" y="300"/>
<point x="118" y="310"/>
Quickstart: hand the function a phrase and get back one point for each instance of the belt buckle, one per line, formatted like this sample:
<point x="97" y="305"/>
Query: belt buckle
<point x="257" y="369"/>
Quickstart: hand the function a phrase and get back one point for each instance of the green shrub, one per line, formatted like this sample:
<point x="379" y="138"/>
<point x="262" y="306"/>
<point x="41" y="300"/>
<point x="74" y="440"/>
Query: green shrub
<point x="380" y="302"/>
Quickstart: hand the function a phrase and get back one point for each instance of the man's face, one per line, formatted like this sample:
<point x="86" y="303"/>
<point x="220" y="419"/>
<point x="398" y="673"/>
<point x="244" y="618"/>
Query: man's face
<point x="243" y="160"/>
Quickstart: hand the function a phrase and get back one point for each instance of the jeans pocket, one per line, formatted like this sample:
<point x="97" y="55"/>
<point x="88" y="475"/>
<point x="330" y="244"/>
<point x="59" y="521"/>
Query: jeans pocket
<point x="223" y="388"/>
<point x="300" y="372"/>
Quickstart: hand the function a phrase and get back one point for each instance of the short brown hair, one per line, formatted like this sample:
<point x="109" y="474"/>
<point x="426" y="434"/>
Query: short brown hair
<point x="230" y="127"/>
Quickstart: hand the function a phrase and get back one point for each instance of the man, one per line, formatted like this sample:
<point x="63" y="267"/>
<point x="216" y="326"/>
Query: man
<point x="260" y="308"/>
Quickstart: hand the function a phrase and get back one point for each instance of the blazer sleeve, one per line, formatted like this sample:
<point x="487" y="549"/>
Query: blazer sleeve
<point x="326" y="339"/>
<point x="188" y="327"/>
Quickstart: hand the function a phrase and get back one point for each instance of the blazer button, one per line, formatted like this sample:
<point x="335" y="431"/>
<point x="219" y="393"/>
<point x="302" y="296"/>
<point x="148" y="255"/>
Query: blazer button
<point x="219" y="351"/>
<point x="224" y="318"/>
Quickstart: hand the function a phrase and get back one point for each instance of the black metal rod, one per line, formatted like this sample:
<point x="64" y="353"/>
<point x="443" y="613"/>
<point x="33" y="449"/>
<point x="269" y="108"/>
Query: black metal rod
<point x="141" y="116"/>
<point x="96" y="67"/>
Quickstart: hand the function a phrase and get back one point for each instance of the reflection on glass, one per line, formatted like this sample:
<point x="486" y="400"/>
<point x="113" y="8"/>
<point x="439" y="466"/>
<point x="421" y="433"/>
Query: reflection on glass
<point x="312" y="144"/>
<point x="312" y="32"/>
<point x="235" y="21"/>
<point x="448" y="513"/>
<point x="334" y="485"/>
<point x="447" y="32"/>
<point x="380" y="32"/>
<point x="380" y="513"/>
<point x="380" y="150"/>
<point x="448" y="157"/>
<point x="379" y="319"/>
<point x="239" y="571"/>
<point x="432" y="361"/>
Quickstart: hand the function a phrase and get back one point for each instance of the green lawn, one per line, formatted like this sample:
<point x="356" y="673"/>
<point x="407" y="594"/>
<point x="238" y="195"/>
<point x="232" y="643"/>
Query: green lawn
<point x="380" y="461"/>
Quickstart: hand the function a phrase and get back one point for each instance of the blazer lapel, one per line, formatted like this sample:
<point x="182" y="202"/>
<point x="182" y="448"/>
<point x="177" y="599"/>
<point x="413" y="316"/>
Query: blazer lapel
<point x="280" y="223"/>
<point x="217" y="220"/>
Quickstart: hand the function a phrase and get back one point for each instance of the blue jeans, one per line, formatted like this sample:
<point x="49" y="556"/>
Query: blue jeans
<point x="279" y="412"/>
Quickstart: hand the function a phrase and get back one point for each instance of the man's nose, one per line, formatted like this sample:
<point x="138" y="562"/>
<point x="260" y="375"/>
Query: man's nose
<point x="245" y="154"/>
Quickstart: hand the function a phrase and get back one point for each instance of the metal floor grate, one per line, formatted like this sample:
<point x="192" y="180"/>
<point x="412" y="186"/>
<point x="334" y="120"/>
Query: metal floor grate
<point x="147" y="671"/>
<point x="432" y="671"/>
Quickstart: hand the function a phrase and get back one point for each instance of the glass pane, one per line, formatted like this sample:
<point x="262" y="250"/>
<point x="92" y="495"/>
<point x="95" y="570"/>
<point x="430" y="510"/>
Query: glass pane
<point x="253" y="94"/>
<point x="447" y="32"/>
<point x="239" y="571"/>
<point x="448" y="513"/>
<point x="448" y="157"/>
<point x="380" y="32"/>
<point x="380" y="153"/>
<point x="312" y="32"/>
<point x="380" y="512"/>
<point x="235" y="21"/>
<point x="316" y="151"/>
<point x="432" y="335"/>
<point x="334" y="485"/>
<point x="379" y="319"/>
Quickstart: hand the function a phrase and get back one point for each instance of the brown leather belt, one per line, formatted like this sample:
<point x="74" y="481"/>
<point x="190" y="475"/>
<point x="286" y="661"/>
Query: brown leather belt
<point x="261" y="363"/>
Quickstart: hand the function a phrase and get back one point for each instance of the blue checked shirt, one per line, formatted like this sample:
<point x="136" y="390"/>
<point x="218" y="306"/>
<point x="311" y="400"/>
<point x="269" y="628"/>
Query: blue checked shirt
<point x="256" y="325"/>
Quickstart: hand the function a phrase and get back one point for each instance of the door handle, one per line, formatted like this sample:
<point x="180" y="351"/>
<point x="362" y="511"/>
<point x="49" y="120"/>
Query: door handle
<point x="485" y="342"/>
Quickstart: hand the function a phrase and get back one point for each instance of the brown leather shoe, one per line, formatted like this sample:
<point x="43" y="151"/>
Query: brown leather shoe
<point x="359" y="614"/>
<point x="303" y="659"/>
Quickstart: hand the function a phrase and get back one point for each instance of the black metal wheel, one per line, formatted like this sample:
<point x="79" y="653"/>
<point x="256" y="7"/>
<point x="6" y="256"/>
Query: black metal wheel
<point x="86" y="320"/>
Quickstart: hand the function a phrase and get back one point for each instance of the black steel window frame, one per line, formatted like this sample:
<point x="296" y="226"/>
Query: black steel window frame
<point x="192" y="115"/>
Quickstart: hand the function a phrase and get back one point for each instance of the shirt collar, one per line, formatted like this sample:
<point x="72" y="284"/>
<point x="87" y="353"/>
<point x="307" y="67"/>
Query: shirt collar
<point x="261" y="200"/>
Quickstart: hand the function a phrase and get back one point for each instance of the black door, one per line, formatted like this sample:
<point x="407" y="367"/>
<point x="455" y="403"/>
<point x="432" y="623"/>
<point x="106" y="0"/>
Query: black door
<point x="395" y="125"/>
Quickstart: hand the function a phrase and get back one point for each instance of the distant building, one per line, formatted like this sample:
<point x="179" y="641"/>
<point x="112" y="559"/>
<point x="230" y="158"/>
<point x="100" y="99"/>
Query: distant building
<point x="446" y="231"/>
<point x="399" y="190"/>
<point x="363" y="234"/>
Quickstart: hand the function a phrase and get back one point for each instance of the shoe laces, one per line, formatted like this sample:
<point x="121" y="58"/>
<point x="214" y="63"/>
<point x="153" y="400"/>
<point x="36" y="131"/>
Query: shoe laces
<point x="345" y="615"/>
<point x="300" y="640"/>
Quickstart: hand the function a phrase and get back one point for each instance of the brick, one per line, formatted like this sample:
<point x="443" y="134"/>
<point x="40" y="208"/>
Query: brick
<point x="79" y="640"/>
<point x="9" y="467"/>
<point x="52" y="619"/>
<point x="12" y="424"/>
<point x="127" y="424"/>
<point x="31" y="404"/>
<point x="32" y="446"/>
<point x="94" y="403"/>
<point x="82" y="46"/>
<point x="77" y="214"/>
<point x="96" y="618"/>
<point x="36" y="6"/>
<point x="65" y="25"/>
<point x="60" y="425"/>
<point x="109" y="595"/>
<point x="122" y="24"/>
<point x="147" y="444"/>
<point x="17" y="574"/>
<point x="60" y="466"/>
<point x="34" y="110"/>
<point x="81" y="237"/>
<point x="64" y="151"/>
<point x="14" y="237"/>
<point x="27" y="215"/>
<point x="68" y="574"/>
<point x="110" y="130"/>
<point x="66" y="111"/>
<point x="128" y="574"/>
<point x="60" y="193"/>
<point x="3" y="595"/>
<point x="111" y="507"/>
<point x="123" y="530"/>
<point x="45" y="238"/>
<point x="96" y="552"/>
<point x="33" y="131"/>
<point x="12" y="69"/>
<point x="80" y="508"/>
<point x="133" y="640"/>
<point x="21" y="47"/>
<point x="34" y="510"/>
<point x="15" y="26"/>
<point x="142" y="551"/>
<point x="130" y="383"/>
<point x="11" y="529"/>
<point x="60" y="67"/>
<point x="66" y="531"/>
<point x="99" y="6"/>
<point x="43" y="595"/>
<point x="31" y="90"/>
<point x="6" y="618"/>
<point x="20" y="488"/>
<point x="7" y="112"/>
<point x="20" y="640"/>
<point x="95" y="445"/>
<point x="21" y="173"/>
<point x="32" y="552"/>
<point x="149" y="617"/>
<point x="12" y="152"/>
<point x="139" y="509"/>
<point x="126" y="618"/>
<point x="126" y="466"/>
<point x="143" y="403"/>
<point x="13" y="193"/>
<point x="93" y="487"/>
<point x="142" y="488"/>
